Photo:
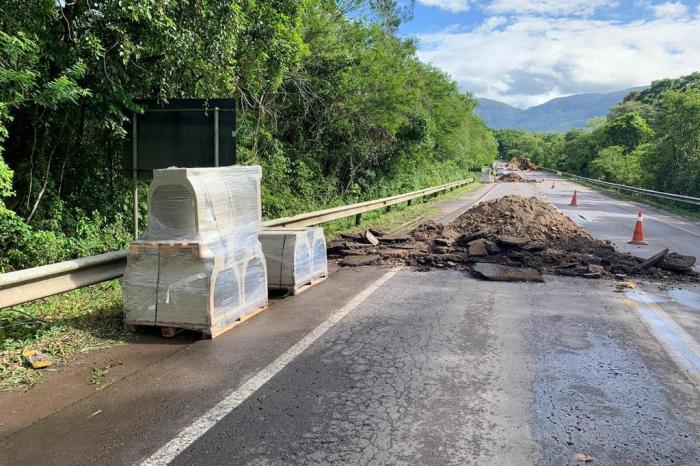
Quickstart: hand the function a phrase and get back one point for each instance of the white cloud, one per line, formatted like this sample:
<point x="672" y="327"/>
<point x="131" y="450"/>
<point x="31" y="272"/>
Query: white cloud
<point x="491" y="23"/>
<point x="670" y="10"/>
<point x="453" y="6"/>
<point x="533" y="59"/>
<point x="547" y="7"/>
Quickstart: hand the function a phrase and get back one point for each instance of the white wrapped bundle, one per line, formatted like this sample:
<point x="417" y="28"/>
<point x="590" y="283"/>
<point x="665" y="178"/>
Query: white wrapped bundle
<point x="199" y="265"/>
<point x="295" y="257"/>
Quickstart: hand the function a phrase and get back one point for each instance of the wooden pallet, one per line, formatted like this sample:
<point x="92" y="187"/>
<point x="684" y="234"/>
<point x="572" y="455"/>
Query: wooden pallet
<point x="215" y="332"/>
<point x="170" y="331"/>
<point x="168" y="249"/>
<point x="295" y="290"/>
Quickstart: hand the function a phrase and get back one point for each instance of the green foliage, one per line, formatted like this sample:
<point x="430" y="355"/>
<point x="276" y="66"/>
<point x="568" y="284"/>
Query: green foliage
<point x="60" y="326"/>
<point x="678" y="151"/>
<point x="613" y="164"/>
<point x="5" y="180"/>
<point x="651" y="140"/>
<point x="628" y="131"/>
<point x="654" y="94"/>
<point x="331" y="102"/>
<point x="541" y="148"/>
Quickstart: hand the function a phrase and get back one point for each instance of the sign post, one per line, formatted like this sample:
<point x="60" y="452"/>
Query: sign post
<point x="135" y="175"/>
<point x="183" y="133"/>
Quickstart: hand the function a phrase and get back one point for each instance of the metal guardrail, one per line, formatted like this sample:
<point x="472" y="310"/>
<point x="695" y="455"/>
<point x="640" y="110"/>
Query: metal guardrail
<point x="648" y="192"/>
<point x="40" y="282"/>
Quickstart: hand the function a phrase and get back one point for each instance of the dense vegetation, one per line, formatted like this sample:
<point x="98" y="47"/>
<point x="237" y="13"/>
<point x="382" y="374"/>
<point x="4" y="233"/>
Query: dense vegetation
<point x="332" y="104"/>
<point x="651" y="139"/>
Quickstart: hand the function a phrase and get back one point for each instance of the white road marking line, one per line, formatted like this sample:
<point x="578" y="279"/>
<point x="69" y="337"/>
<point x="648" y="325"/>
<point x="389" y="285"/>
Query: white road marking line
<point x="481" y="198"/>
<point x="190" y="434"/>
<point x="677" y="342"/>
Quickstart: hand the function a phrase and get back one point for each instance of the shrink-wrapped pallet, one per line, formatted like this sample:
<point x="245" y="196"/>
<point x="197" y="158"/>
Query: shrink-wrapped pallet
<point x="295" y="257"/>
<point x="199" y="264"/>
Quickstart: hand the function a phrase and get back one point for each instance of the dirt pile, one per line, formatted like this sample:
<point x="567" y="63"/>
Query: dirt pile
<point x="511" y="232"/>
<point x="515" y="178"/>
<point x="530" y="218"/>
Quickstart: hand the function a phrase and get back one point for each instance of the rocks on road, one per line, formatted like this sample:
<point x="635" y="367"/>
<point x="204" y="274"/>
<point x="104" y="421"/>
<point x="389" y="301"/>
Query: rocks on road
<point x="515" y="232"/>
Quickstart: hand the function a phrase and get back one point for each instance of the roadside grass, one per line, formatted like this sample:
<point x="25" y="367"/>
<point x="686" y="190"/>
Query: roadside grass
<point x="399" y="218"/>
<point x="79" y="321"/>
<point x="90" y="318"/>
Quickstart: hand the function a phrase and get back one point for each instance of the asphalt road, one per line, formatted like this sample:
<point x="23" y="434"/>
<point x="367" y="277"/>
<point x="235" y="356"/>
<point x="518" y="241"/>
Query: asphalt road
<point x="394" y="366"/>
<point x="609" y="218"/>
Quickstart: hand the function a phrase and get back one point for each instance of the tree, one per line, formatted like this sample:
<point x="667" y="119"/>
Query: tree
<point x="331" y="102"/>
<point x="628" y="131"/>
<point x="614" y="164"/>
<point x="678" y="158"/>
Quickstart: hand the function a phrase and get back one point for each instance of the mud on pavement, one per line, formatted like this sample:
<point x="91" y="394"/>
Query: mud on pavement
<point x="521" y="237"/>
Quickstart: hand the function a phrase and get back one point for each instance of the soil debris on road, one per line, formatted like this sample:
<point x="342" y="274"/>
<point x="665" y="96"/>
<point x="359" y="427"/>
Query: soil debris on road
<point x="515" y="178"/>
<point x="516" y="232"/>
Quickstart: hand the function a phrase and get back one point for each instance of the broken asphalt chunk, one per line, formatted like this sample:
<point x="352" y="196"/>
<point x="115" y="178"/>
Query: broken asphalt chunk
<point x="442" y="242"/>
<point x="534" y="246"/>
<point x="477" y="248"/>
<point x="653" y="260"/>
<point x="357" y="261"/>
<point x="513" y="241"/>
<point x="370" y="238"/>
<point x="394" y="238"/>
<point x="466" y="238"/>
<point x="677" y="263"/>
<point x="503" y="273"/>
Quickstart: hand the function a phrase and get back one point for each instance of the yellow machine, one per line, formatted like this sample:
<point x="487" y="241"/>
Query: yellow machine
<point x="528" y="165"/>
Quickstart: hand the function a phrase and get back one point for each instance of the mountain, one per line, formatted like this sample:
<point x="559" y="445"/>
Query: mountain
<point x="497" y="114"/>
<point x="557" y="115"/>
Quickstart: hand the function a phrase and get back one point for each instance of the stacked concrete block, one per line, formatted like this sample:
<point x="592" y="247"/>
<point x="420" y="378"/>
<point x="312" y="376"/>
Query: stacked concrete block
<point x="295" y="257"/>
<point x="199" y="265"/>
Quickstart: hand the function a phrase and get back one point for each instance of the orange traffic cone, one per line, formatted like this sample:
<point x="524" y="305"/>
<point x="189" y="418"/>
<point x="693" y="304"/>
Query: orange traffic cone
<point x="638" y="235"/>
<point x="574" y="200"/>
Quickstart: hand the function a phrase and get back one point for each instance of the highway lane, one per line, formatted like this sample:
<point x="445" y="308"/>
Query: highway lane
<point x="442" y="369"/>
<point x="430" y="368"/>
<point x="606" y="217"/>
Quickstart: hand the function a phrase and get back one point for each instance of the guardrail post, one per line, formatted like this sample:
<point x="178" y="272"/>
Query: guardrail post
<point x="358" y="219"/>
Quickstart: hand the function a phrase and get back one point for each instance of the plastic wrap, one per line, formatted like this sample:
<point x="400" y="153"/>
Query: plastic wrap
<point x="199" y="264"/>
<point x="294" y="256"/>
<point x="486" y="175"/>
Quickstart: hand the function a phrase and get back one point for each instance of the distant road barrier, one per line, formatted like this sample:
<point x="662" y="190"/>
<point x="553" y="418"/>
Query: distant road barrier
<point x="40" y="282"/>
<point x="648" y="192"/>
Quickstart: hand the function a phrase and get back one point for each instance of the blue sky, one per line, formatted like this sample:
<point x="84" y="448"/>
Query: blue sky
<point x="525" y="52"/>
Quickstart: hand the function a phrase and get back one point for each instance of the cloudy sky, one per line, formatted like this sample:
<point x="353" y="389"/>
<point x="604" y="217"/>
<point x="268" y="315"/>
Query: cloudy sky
<point x="525" y="52"/>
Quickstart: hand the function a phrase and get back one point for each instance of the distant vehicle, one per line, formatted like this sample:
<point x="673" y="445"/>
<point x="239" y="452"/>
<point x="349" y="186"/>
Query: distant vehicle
<point x="502" y="167"/>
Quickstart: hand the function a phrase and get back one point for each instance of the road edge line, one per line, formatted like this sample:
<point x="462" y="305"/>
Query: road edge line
<point x="675" y="341"/>
<point x="187" y="436"/>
